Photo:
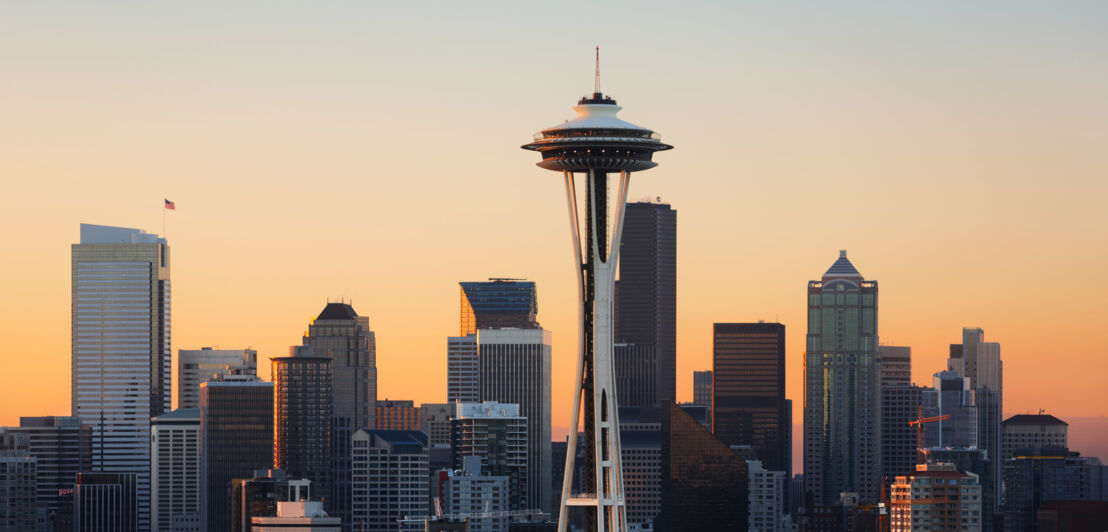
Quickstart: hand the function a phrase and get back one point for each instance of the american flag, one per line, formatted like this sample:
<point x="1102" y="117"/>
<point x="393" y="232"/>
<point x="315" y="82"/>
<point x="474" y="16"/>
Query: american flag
<point x="169" y="205"/>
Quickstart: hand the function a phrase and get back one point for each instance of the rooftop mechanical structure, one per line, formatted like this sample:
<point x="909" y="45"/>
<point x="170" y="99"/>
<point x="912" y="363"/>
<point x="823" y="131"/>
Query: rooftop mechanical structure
<point x="596" y="144"/>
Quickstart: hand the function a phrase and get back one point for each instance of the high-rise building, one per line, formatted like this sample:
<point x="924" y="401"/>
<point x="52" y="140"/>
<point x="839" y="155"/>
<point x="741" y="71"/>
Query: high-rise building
<point x="748" y="390"/>
<point x="936" y="497"/>
<point x="950" y="396"/>
<point x="236" y="416"/>
<point x="1034" y="477"/>
<point x="705" y="485"/>
<point x="471" y="490"/>
<point x="397" y="415"/>
<point x="175" y="468"/>
<point x="62" y="447"/>
<point x="435" y="422"/>
<point x="302" y="416"/>
<point x="767" y="499"/>
<point x="647" y="289"/>
<point x="463" y="373"/>
<point x="258" y="496"/>
<point x="308" y="516"/>
<point x="342" y="335"/>
<point x="105" y="502"/>
<point x="967" y="460"/>
<point x="702" y="387"/>
<point x="496" y="434"/>
<point x="980" y="362"/>
<point x="842" y="387"/>
<point x="641" y="453"/>
<point x="498" y="304"/>
<point x="195" y="366"/>
<point x="597" y="143"/>
<point x="900" y="403"/>
<point x="515" y="368"/>
<point x="390" y="478"/>
<point x="121" y="355"/>
<point x="636" y="370"/>
<point x="18" y="484"/>
<point x="1032" y="431"/>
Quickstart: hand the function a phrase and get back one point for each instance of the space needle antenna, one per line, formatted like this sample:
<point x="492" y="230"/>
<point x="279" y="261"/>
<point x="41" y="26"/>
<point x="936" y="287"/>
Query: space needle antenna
<point x="596" y="79"/>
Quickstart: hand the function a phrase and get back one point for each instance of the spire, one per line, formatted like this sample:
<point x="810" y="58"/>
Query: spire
<point x="596" y="80"/>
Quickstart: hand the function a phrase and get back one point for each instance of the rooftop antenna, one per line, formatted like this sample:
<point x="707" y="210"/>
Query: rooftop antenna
<point x="596" y="81"/>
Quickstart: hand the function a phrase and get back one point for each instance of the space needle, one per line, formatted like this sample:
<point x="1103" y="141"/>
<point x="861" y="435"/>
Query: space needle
<point x="596" y="144"/>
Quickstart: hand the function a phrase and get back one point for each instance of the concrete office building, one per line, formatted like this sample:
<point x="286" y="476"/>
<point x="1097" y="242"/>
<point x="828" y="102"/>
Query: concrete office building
<point x="302" y="416"/>
<point x="463" y="372"/>
<point x="195" y="366"/>
<point x="1031" y="431"/>
<point x="497" y="435"/>
<point x="641" y="453"/>
<point x="121" y="354"/>
<point x="62" y="447"/>
<point x="435" y="422"/>
<point x="515" y="368"/>
<point x="980" y="361"/>
<point x="389" y="480"/>
<point x="237" y="439"/>
<point x="473" y="492"/>
<point x="842" y="387"/>
<point x="175" y="468"/>
<point x="105" y="502"/>
<point x="748" y="390"/>
<point x="767" y="499"/>
<point x="397" y="415"/>
<point x="936" y="497"/>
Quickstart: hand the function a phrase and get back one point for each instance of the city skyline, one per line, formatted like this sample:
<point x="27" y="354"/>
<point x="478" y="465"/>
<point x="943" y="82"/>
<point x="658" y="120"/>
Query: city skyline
<point x="975" y="238"/>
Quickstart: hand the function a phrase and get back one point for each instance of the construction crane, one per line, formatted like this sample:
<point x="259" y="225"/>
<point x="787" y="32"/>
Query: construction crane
<point x="918" y="423"/>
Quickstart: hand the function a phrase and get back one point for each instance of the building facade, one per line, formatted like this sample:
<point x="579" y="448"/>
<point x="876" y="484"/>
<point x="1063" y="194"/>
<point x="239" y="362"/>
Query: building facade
<point x="647" y="292"/>
<point x="1033" y="478"/>
<point x="470" y="494"/>
<point x="702" y="387"/>
<point x="62" y="447"/>
<point x="767" y="499"/>
<point x="258" y="496"/>
<point x="398" y="415"/>
<point x="842" y="387"/>
<point x="515" y="368"/>
<point x="938" y="498"/>
<point x="748" y="390"/>
<point x="302" y="416"/>
<point x="497" y="435"/>
<point x="121" y="354"/>
<point x="980" y="361"/>
<point x="1033" y="431"/>
<point x="950" y="396"/>
<point x="636" y="369"/>
<point x="900" y="403"/>
<point x="389" y="480"/>
<point x="435" y="422"/>
<point x="641" y="453"/>
<point x="18" y="484"/>
<point x="195" y="366"/>
<point x="175" y="467"/>
<point x="105" y="502"/>
<point x="498" y="304"/>
<point x="236" y="416"/>
<point x="463" y="372"/>
<point x="307" y="516"/>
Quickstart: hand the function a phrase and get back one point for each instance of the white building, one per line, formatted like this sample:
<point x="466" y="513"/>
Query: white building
<point x="389" y="480"/>
<point x="767" y="498"/>
<point x="195" y="366"/>
<point x="463" y="380"/>
<point x="175" y="469"/>
<point x="121" y="355"/>
<point x="515" y="368"/>
<point x="468" y="495"/>
<point x="299" y="515"/>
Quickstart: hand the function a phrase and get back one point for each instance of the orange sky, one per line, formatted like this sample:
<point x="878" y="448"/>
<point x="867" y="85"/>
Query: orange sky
<point x="373" y="154"/>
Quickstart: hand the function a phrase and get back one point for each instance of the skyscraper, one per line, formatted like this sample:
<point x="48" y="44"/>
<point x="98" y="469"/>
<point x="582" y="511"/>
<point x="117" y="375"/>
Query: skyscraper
<point x="18" y="484"/>
<point x="702" y="387"/>
<point x="121" y="363"/>
<point x="515" y="368"/>
<point x="302" y="416"/>
<point x="636" y="370"/>
<point x="900" y="403"/>
<point x="342" y="335"/>
<point x="980" y="362"/>
<point x="236" y="415"/>
<point x="105" y="501"/>
<point x="389" y="478"/>
<point x="496" y="434"/>
<point x="63" y="448"/>
<point x="498" y="304"/>
<point x="463" y="373"/>
<point x="175" y="468"/>
<point x="473" y="490"/>
<point x="648" y="294"/>
<point x="596" y="143"/>
<point x="748" y="391"/>
<point x="195" y="366"/>
<point x="842" y="387"/>
<point x="952" y="397"/>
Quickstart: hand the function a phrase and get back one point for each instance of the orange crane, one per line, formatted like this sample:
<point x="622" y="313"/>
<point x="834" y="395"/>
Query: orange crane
<point x="918" y="423"/>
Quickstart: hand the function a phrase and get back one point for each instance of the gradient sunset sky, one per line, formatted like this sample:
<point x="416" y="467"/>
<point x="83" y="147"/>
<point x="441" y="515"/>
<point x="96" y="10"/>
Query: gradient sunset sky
<point x="958" y="151"/>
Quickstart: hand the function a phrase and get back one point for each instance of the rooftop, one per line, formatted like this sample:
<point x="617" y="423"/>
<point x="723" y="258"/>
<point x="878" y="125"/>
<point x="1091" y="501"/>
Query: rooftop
<point x="1034" y="419"/>
<point x="106" y="234"/>
<point x="338" y="311"/>
<point x="842" y="268"/>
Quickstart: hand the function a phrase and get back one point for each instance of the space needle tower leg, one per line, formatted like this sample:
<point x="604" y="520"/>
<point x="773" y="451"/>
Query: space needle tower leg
<point x="595" y="383"/>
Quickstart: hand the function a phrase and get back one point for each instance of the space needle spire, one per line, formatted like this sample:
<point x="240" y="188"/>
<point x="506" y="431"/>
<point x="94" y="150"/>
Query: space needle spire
<point x="596" y="144"/>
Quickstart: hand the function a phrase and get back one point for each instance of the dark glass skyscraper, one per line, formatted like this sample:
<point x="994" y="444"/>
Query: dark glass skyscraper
<point x="498" y="304"/>
<point x="302" y="416"/>
<point x="704" y="483"/>
<point x="748" y="394"/>
<point x="842" y="387"/>
<point x="646" y="295"/>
